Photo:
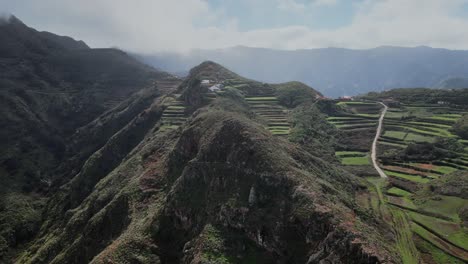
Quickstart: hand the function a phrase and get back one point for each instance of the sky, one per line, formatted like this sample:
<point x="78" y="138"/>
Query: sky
<point x="149" y="26"/>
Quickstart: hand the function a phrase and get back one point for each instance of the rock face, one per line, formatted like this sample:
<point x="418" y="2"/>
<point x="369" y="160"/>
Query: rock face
<point x="217" y="188"/>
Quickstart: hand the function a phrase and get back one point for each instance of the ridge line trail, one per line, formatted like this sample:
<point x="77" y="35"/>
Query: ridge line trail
<point x="374" y="144"/>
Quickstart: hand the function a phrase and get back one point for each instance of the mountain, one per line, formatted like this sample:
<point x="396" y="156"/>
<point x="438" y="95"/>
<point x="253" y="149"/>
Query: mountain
<point x="333" y="71"/>
<point x="454" y="83"/>
<point x="208" y="182"/>
<point x="50" y="87"/>
<point x="106" y="160"/>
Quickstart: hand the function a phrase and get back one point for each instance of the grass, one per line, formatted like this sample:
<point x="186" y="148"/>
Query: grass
<point x="398" y="192"/>
<point x="356" y="103"/>
<point x="432" y="131"/>
<point x="271" y="98"/>
<point x="355" y="161"/>
<point x="450" y="231"/>
<point x="175" y="107"/>
<point x="430" y="124"/>
<point x="395" y="134"/>
<point x="280" y="132"/>
<point x="350" y="153"/>
<point x="331" y="118"/>
<point x="392" y="144"/>
<point x="369" y="115"/>
<point x="419" y="138"/>
<point x="437" y="255"/>
<point x="444" y="118"/>
<point x="448" y="206"/>
<point x="405" y="244"/>
<point x="356" y="125"/>
<point x="436" y="241"/>
<point x="440" y="169"/>
<point x="413" y="178"/>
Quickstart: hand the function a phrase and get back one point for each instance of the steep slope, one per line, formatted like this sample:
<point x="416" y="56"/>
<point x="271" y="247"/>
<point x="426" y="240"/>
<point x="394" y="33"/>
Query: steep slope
<point x="335" y="71"/>
<point x="50" y="86"/>
<point x="217" y="188"/>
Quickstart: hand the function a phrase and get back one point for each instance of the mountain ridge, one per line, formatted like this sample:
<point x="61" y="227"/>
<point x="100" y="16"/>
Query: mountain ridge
<point x="334" y="71"/>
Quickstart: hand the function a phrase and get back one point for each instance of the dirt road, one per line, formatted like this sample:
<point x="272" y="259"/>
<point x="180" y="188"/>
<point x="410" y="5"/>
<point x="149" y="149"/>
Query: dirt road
<point x="374" y="144"/>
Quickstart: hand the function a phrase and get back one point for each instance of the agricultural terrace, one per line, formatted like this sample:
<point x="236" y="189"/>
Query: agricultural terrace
<point x="435" y="225"/>
<point x="356" y="115"/>
<point x="357" y="122"/>
<point x="174" y="113"/>
<point x="264" y="102"/>
<point x="424" y="226"/>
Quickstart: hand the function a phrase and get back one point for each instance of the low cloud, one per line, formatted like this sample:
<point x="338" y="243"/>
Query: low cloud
<point x="4" y="17"/>
<point x="162" y="25"/>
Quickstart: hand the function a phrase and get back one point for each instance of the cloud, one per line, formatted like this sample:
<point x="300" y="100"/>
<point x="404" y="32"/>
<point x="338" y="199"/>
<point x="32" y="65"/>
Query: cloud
<point x="295" y="6"/>
<point x="325" y="2"/>
<point x="4" y="17"/>
<point x="290" y="5"/>
<point x="166" y="25"/>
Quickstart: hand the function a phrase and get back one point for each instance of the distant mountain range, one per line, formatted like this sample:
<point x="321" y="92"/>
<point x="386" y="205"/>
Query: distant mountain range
<point x="333" y="71"/>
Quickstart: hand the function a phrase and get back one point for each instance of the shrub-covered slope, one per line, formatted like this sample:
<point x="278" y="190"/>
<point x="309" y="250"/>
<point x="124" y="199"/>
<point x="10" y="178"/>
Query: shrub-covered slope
<point x="50" y="86"/>
<point x="219" y="188"/>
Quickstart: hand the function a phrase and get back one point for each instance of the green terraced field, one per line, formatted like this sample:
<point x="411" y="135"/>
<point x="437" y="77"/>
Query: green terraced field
<point x="350" y="153"/>
<point x="395" y="134"/>
<point x="173" y="116"/>
<point x="356" y="103"/>
<point x="430" y="125"/>
<point x="448" y="206"/>
<point x="355" y="161"/>
<point x="276" y="116"/>
<point x="271" y="98"/>
<point x="350" y="126"/>
<point x="376" y="116"/>
<point x="398" y="192"/>
<point x="432" y="131"/>
<point x="425" y="124"/>
<point x="419" y="138"/>
<point x="392" y="144"/>
<point x="413" y="178"/>
<point x="436" y="241"/>
<point x="333" y="118"/>
<point x="450" y="231"/>
<point x="440" y="169"/>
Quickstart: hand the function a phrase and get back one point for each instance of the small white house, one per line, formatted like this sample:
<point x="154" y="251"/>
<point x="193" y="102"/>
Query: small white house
<point x="216" y="87"/>
<point x="205" y="82"/>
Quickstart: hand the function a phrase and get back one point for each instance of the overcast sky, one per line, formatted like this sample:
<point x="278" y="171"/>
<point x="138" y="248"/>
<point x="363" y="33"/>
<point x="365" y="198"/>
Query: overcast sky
<point x="180" y="25"/>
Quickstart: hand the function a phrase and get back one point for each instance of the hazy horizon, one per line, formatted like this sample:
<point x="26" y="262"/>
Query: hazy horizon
<point x="185" y="25"/>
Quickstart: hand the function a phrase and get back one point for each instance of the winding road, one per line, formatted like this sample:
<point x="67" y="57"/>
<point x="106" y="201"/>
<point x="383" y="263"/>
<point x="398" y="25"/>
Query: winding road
<point x="374" y="144"/>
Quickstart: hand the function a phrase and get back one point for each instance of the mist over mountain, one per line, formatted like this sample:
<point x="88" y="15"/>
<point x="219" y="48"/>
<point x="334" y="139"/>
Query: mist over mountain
<point x="333" y="71"/>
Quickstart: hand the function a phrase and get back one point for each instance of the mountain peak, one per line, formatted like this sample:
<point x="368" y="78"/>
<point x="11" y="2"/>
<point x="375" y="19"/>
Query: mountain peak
<point x="212" y="71"/>
<point x="10" y="19"/>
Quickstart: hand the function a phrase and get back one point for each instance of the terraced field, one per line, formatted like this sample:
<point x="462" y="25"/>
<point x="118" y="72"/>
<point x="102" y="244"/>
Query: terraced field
<point x="418" y="124"/>
<point x="353" y="158"/>
<point x="358" y="115"/>
<point x="433" y="227"/>
<point x="174" y="115"/>
<point x="275" y="115"/>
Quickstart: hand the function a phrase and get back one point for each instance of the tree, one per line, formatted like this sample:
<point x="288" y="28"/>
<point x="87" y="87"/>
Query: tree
<point x="461" y="127"/>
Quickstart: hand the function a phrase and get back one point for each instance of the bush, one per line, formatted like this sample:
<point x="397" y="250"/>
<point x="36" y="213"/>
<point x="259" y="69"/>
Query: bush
<point x="425" y="151"/>
<point x="294" y="93"/>
<point x="461" y="127"/>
